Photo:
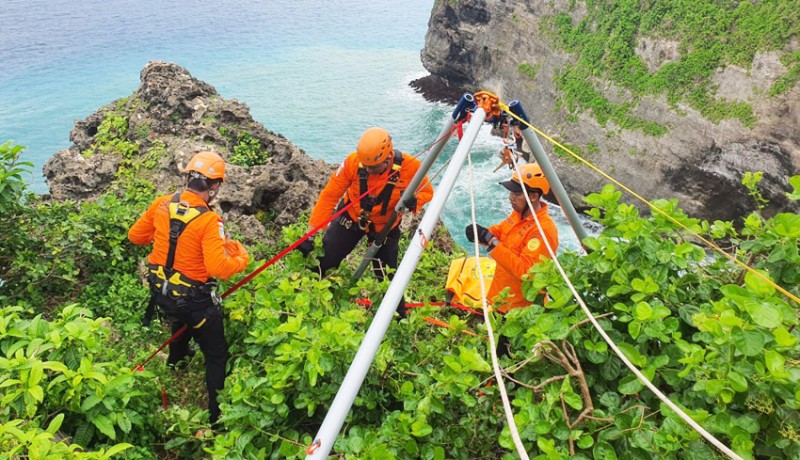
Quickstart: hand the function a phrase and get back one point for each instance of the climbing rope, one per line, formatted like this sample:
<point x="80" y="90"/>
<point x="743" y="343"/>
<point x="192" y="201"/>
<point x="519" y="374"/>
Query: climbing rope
<point x="655" y="208"/>
<point x="709" y="437"/>
<point x="512" y="425"/>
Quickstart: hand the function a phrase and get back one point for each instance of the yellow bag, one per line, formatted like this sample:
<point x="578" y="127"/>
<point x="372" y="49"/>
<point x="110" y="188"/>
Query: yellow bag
<point x="463" y="281"/>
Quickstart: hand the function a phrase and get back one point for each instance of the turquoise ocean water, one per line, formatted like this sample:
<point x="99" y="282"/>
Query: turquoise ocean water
<point x="318" y="72"/>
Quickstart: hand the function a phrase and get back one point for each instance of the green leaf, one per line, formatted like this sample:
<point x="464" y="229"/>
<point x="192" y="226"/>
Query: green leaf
<point x="124" y="422"/>
<point x="611" y="400"/>
<point x="546" y="445"/>
<point x="90" y="402"/>
<point x="794" y="181"/>
<point x="37" y="393"/>
<point x="642" y="311"/>
<point x="749" y="343"/>
<point x="738" y="294"/>
<point x="115" y="449"/>
<point x="585" y="442"/>
<point x="764" y="314"/>
<point x="569" y="395"/>
<point x="36" y="374"/>
<point x="55" y="424"/>
<point x="630" y="385"/>
<point x="761" y="285"/>
<point x="632" y="354"/>
<point x="105" y="426"/>
<point x="783" y="337"/>
<point x="421" y="428"/>
<point x="574" y="401"/>
<point x="84" y="434"/>
<point x="472" y="360"/>
<point x="775" y="363"/>
<point x="617" y="289"/>
<point x="604" y="451"/>
<point x="787" y="225"/>
<point x="646" y="286"/>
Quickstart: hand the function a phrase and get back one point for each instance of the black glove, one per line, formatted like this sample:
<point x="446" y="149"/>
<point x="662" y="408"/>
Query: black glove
<point x="306" y="246"/>
<point x="411" y="203"/>
<point x="484" y="236"/>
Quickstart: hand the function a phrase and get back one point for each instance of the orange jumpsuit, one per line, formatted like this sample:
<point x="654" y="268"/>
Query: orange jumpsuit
<point x="203" y="251"/>
<point x="345" y="183"/>
<point x="521" y="247"/>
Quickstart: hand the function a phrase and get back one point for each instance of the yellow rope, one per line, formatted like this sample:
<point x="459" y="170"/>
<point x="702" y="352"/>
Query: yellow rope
<point x="653" y="207"/>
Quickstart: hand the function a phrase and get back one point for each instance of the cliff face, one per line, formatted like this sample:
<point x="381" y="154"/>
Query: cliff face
<point x="500" y="46"/>
<point x="168" y="118"/>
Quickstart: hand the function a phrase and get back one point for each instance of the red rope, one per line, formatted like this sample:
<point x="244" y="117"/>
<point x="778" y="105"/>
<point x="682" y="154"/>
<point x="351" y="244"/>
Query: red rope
<point x="140" y="367"/>
<point x="309" y="234"/>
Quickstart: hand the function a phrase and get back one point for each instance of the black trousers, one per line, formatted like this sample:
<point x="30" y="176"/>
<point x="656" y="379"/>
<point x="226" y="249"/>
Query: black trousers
<point x="211" y="339"/>
<point x="341" y="238"/>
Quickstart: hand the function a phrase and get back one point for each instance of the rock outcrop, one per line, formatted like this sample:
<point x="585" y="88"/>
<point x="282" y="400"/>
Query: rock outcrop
<point x="168" y="118"/>
<point x="477" y="44"/>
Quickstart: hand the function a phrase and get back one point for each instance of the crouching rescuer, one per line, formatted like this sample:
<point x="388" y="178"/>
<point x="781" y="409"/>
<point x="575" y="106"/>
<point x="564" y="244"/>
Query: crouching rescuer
<point x="517" y="243"/>
<point x="190" y="249"/>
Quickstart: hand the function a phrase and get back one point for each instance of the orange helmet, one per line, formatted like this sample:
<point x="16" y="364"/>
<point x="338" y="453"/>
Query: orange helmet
<point x="208" y="164"/>
<point x="532" y="177"/>
<point x="374" y="147"/>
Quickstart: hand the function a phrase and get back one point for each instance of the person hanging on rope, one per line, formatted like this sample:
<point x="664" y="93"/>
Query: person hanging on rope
<point x="190" y="248"/>
<point x="517" y="244"/>
<point x="375" y="161"/>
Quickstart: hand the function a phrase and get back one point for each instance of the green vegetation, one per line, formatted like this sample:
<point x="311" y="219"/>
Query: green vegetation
<point x="577" y="95"/>
<point x="528" y="70"/>
<point x="711" y="35"/>
<point x="787" y="81"/>
<point x="248" y="151"/>
<point x="112" y="138"/>
<point x="720" y="342"/>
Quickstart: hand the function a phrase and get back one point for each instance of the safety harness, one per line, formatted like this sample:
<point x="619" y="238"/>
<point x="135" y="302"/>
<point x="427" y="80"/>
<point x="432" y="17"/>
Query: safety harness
<point x="368" y="202"/>
<point x="168" y="287"/>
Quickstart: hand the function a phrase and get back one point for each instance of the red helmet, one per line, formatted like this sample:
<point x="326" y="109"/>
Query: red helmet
<point x="374" y="147"/>
<point x="208" y="164"/>
<point x="532" y="177"/>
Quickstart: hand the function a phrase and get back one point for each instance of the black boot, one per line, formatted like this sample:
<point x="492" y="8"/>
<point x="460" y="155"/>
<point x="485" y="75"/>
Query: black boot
<point x="401" y="309"/>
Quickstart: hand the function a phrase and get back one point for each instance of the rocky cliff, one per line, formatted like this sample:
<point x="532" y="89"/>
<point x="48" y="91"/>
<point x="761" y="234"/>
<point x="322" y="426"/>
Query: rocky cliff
<point x="509" y="48"/>
<point x="167" y="119"/>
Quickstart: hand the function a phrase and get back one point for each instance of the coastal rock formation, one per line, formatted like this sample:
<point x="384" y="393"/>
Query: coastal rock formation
<point x="166" y="120"/>
<point x="500" y="47"/>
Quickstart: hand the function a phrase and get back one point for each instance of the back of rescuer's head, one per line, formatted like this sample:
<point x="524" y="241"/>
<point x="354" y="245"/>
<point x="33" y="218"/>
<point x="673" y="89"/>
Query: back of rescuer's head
<point x="533" y="179"/>
<point x="374" y="147"/>
<point x="204" y="170"/>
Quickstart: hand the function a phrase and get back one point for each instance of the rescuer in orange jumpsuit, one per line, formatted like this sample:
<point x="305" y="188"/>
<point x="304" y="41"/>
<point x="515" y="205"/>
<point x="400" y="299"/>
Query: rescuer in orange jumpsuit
<point x="375" y="161"/>
<point x="189" y="249"/>
<point x="517" y="243"/>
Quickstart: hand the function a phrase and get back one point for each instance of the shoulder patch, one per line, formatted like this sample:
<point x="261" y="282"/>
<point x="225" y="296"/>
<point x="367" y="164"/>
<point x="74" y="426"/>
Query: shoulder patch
<point x="533" y="244"/>
<point x="221" y="229"/>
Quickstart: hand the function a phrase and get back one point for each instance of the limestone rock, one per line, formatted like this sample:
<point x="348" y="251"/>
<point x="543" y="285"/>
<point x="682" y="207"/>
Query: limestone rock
<point x="480" y="45"/>
<point x="171" y="116"/>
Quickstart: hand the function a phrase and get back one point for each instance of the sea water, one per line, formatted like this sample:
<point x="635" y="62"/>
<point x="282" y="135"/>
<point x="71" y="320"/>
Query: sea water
<point x="318" y="72"/>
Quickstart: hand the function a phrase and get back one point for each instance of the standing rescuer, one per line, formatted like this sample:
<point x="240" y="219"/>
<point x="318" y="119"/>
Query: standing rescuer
<point x="190" y="248"/>
<point x="516" y="244"/>
<point x="374" y="162"/>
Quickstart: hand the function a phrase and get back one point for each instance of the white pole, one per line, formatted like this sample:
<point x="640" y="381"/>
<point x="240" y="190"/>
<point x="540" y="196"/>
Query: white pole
<point x="329" y="430"/>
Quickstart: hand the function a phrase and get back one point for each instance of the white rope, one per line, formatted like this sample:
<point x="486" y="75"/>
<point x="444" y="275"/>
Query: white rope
<point x="512" y="426"/>
<point x="709" y="437"/>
